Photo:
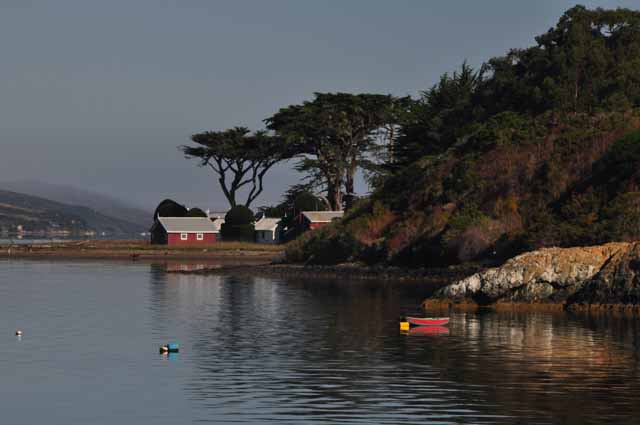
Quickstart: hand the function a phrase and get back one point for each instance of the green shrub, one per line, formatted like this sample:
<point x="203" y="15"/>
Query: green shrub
<point x="239" y="215"/>
<point x="238" y="225"/>
<point x="240" y="232"/>
<point x="325" y="246"/>
<point x="196" y="212"/>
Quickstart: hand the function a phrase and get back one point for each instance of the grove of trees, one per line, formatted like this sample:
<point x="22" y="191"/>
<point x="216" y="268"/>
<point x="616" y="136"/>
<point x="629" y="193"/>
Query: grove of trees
<point x="433" y="161"/>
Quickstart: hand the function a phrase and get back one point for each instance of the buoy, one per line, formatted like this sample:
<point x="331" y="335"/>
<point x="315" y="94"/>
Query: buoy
<point x="170" y="348"/>
<point x="404" y="326"/>
<point x="18" y="332"/>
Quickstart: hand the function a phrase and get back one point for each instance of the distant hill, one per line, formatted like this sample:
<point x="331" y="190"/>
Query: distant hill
<point x="39" y="215"/>
<point x="75" y="196"/>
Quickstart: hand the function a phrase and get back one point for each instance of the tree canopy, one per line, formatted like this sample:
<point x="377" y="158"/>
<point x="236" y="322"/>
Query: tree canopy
<point x="239" y="159"/>
<point x="334" y="132"/>
<point x="170" y="208"/>
<point x="588" y="63"/>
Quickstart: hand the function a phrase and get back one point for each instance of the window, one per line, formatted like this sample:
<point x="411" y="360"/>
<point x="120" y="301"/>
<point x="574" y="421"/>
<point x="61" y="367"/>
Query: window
<point x="200" y="236"/>
<point x="184" y="236"/>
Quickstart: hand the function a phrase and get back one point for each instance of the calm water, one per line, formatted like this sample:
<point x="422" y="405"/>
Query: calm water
<point x="258" y="350"/>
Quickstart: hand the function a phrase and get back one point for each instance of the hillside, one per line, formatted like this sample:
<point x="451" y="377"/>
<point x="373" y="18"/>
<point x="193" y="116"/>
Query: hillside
<point x="539" y="148"/>
<point x="42" y="216"/>
<point x="74" y="196"/>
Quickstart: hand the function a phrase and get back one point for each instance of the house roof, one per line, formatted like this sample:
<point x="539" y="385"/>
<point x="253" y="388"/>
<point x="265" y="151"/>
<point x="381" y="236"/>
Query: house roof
<point x="322" y="216"/>
<point x="216" y="214"/>
<point x="267" y="224"/>
<point x="188" y="225"/>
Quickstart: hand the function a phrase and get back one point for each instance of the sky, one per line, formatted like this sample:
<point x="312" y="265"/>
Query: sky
<point x="99" y="94"/>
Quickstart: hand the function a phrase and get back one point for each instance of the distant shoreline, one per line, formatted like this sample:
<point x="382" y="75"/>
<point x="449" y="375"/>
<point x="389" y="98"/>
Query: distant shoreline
<point x="224" y="257"/>
<point x="232" y="252"/>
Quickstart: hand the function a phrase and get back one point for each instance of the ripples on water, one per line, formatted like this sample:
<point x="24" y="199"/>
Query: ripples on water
<point x="258" y="350"/>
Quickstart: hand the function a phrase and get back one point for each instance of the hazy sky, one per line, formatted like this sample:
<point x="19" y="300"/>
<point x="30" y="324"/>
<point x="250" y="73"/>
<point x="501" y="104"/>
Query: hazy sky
<point x="98" y="94"/>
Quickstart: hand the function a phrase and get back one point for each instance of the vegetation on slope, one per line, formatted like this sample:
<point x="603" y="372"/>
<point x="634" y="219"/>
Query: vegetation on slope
<point x="538" y="148"/>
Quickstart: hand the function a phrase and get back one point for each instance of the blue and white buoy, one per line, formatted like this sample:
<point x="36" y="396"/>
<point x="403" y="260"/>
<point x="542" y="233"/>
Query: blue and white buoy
<point x="170" y="348"/>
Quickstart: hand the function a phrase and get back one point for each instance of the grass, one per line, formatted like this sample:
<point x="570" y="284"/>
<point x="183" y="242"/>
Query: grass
<point x="134" y="245"/>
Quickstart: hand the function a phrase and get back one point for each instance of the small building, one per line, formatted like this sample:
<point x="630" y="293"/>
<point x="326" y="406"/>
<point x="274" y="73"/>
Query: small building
<point x="308" y="220"/>
<point x="184" y="231"/>
<point x="268" y="230"/>
<point x="216" y="215"/>
<point x="316" y="219"/>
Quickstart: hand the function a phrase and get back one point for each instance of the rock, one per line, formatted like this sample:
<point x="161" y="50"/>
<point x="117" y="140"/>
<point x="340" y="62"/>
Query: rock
<point x="546" y="276"/>
<point x="617" y="283"/>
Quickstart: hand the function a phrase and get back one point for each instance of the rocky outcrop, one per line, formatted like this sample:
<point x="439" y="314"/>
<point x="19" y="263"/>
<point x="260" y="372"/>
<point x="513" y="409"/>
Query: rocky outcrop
<point x="616" y="284"/>
<point x="549" y="276"/>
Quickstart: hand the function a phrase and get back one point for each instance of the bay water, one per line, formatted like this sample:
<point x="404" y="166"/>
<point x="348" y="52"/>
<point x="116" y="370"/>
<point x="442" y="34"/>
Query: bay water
<point x="286" y="350"/>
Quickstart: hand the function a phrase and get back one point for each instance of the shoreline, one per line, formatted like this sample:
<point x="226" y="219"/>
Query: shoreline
<point x="441" y="276"/>
<point x="444" y="306"/>
<point x="141" y="251"/>
<point x="265" y="260"/>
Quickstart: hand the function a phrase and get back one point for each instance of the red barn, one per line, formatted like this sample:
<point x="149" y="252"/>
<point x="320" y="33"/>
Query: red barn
<point x="184" y="231"/>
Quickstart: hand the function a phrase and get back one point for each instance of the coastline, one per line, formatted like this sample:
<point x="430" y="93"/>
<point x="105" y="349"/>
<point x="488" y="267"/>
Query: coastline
<point x="222" y="258"/>
<point x="141" y="251"/>
<point x="441" y="276"/>
<point x="266" y="260"/>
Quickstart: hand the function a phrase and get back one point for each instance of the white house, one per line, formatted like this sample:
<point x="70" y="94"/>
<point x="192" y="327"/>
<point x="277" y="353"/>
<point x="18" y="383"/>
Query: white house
<point x="268" y="230"/>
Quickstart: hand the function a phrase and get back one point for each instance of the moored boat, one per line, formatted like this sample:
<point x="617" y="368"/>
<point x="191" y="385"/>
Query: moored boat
<point x="428" y="321"/>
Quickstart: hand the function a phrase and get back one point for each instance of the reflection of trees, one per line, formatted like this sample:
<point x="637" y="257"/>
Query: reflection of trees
<point x="329" y="350"/>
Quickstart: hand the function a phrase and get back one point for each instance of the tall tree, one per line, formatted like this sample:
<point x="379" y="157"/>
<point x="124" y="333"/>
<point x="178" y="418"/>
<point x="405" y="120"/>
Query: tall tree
<point x="441" y="115"/>
<point x="239" y="159"/>
<point x="334" y="132"/>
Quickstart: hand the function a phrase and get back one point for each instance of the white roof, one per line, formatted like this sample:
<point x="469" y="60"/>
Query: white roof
<point x="216" y="214"/>
<point x="322" y="216"/>
<point x="188" y="225"/>
<point x="267" y="223"/>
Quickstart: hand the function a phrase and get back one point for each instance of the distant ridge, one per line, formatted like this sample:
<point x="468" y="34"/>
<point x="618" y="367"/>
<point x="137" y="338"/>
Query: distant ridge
<point x="71" y="195"/>
<point x="35" y="215"/>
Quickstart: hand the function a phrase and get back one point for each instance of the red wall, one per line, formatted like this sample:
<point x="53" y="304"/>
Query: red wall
<point x="174" y="239"/>
<point x="314" y="226"/>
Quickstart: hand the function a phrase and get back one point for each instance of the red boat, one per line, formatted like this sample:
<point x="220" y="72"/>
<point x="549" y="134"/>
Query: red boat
<point x="428" y="321"/>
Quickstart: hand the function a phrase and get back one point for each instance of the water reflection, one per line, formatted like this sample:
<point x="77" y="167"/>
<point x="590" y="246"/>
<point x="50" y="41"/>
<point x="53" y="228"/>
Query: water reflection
<point x="286" y="350"/>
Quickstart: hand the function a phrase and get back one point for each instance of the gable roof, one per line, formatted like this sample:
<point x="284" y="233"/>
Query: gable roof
<point x="322" y="216"/>
<point x="187" y="225"/>
<point x="267" y="224"/>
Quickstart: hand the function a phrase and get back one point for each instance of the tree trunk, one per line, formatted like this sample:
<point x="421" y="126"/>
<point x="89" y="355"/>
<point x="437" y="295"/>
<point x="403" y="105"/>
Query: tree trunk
<point x="335" y="199"/>
<point x="349" y="184"/>
<point x="334" y="193"/>
<point x="230" y="195"/>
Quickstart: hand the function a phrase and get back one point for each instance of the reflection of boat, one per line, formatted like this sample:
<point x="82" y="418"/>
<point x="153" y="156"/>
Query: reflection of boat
<point x="428" y="321"/>
<point x="429" y="330"/>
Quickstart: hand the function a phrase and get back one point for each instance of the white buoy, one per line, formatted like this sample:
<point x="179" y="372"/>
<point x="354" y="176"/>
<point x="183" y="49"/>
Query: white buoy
<point x="18" y="332"/>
